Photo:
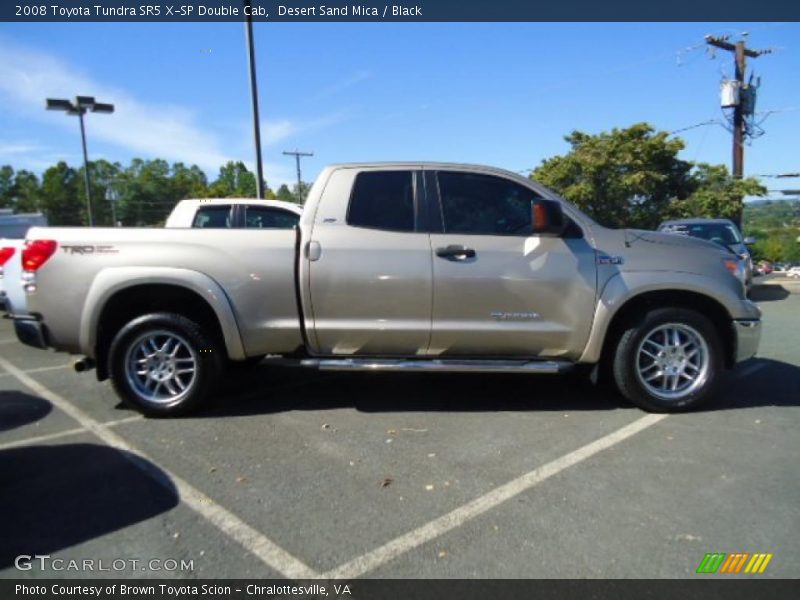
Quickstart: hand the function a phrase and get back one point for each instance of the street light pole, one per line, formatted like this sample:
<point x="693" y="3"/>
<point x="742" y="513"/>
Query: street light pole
<point x="251" y="62"/>
<point x="86" y="168"/>
<point x="79" y="108"/>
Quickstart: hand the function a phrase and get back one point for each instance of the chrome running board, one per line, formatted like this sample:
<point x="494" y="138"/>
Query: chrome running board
<point x="445" y="366"/>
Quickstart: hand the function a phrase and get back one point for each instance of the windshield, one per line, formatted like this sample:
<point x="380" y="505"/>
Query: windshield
<point x="720" y="233"/>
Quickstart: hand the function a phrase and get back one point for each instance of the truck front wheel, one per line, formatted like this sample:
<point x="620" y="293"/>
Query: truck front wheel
<point x="163" y="364"/>
<point x="670" y="360"/>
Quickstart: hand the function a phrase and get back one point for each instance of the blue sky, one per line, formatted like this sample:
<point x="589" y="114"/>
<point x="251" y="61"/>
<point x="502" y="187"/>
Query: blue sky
<point x="502" y="94"/>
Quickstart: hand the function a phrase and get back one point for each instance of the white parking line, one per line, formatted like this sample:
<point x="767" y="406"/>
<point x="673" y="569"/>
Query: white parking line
<point x="391" y="550"/>
<point x="42" y="438"/>
<point x="65" y="433"/>
<point x="259" y="545"/>
<point x="43" y="369"/>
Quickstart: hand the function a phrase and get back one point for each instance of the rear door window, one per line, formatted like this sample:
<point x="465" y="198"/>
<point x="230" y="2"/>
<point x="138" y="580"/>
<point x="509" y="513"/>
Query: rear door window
<point x="213" y="217"/>
<point x="383" y="200"/>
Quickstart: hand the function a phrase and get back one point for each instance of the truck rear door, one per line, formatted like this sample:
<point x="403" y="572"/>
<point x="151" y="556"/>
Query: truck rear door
<point x="370" y="265"/>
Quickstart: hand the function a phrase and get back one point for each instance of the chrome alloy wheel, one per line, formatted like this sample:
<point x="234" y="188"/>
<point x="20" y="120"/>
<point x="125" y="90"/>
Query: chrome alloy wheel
<point x="672" y="361"/>
<point x="161" y="366"/>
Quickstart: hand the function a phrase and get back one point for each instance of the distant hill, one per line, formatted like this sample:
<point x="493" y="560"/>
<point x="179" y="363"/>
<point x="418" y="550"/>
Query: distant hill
<point x="772" y="214"/>
<point x="776" y="226"/>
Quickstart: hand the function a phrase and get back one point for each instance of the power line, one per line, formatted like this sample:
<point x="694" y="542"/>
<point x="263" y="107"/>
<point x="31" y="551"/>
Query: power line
<point x="696" y="125"/>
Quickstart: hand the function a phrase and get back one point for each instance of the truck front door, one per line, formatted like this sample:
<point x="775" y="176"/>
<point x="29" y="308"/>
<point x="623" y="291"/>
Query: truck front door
<point x="498" y="290"/>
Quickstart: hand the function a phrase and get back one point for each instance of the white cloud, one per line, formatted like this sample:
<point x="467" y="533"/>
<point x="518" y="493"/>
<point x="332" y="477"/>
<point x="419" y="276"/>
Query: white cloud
<point x="27" y="77"/>
<point x="151" y="130"/>
<point x="343" y="84"/>
<point x="274" y="132"/>
<point x="8" y="149"/>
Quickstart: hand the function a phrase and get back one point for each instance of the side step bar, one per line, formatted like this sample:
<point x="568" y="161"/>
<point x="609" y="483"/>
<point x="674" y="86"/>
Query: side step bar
<point x="444" y="366"/>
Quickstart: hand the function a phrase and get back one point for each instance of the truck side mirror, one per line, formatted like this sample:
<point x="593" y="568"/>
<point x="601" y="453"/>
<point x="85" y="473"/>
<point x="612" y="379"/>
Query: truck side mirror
<point x="749" y="241"/>
<point x="547" y="217"/>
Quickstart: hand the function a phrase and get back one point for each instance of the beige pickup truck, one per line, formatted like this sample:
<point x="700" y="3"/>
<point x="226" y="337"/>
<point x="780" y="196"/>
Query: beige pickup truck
<point x="393" y="267"/>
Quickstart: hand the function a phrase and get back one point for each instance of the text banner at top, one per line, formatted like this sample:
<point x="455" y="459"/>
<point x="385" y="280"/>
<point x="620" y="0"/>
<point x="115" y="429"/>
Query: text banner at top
<point x="396" y="10"/>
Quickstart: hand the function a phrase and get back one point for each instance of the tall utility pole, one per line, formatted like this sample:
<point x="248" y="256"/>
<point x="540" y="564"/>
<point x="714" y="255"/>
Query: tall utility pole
<point x="297" y="154"/>
<point x="740" y="51"/>
<point x="251" y="61"/>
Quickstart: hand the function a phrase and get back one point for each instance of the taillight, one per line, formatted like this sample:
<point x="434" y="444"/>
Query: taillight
<point x="36" y="253"/>
<point x="5" y="254"/>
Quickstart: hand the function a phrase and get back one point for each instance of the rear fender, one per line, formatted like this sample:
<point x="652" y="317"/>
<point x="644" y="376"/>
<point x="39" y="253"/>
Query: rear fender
<point x="110" y="281"/>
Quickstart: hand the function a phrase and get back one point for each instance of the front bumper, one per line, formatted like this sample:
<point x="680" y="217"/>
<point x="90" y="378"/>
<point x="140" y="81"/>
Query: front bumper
<point x="747" y="334"/>
<point x="30" y="331"/>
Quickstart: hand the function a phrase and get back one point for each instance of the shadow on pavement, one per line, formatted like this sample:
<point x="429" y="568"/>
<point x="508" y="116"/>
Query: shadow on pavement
<point x="760" y="382"/>
<point x="268" y="389"/>
<point x="18" y="409"/>
<point x="53" y="497"/>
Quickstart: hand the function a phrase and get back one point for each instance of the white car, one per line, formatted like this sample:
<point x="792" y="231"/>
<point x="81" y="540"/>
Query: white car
<point x="793" y="272"/>
<point x="234" y="213"/>
<point x="13" y="228"/>
<point x="12" y="293"/>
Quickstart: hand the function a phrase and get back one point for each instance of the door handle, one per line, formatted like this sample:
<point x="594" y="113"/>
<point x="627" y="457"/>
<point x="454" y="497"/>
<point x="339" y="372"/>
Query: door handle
<point x="455" y="253"/>
<point x="313" y="251"/>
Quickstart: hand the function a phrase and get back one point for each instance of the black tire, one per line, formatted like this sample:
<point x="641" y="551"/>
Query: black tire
<point x="194" y="348"/>
<point x="632" y="365"/>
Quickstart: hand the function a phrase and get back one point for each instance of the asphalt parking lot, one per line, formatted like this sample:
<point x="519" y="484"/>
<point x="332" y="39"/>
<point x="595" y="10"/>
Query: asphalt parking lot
<point x="300" y="474"/>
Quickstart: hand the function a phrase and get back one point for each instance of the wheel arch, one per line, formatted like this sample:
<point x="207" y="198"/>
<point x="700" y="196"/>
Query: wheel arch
<point x="119" y="296"/>
<point x="616" y="309"/>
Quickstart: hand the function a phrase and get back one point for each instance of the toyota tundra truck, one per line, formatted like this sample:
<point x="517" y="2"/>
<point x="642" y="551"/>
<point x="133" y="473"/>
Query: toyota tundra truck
<point x="393" y="267"/>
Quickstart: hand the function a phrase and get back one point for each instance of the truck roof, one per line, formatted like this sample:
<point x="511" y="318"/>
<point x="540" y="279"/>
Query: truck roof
<point x="421" y="163"/>
<point x="697" y="220"/>
<point x="293" y="206"/>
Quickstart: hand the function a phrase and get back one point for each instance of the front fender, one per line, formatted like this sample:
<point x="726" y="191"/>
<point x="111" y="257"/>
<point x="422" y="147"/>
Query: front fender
<point x="625" y="286"/>
<point x="110" y="281"/>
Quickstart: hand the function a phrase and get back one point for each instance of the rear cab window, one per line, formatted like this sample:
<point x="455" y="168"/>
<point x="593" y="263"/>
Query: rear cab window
<point x="383" y="200"/>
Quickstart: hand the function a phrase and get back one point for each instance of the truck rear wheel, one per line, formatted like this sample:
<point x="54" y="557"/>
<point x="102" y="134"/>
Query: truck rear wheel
<point x="670" y="360"/>
<point x="164" y="364"/>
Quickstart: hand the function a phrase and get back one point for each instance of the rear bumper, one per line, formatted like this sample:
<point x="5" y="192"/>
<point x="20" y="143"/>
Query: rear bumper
<point x="30" y="331"/>
<point x="747" y="335"/>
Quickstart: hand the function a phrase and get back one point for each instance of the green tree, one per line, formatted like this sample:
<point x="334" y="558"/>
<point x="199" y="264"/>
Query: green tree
<point x="299" y="194"/>
<point x="102" y="177"/>
<point x="61" y="200"/>
<point x="27" y="192"/>
<point x="143" y="191"/>
<point x="716" y="194"/>
<point x="623" y="178"/>
<point x="285" y="194"/>
<point x="19" y="190"/>
<point x="234" y="180"/>
<point x="6" y="186"/>
<point x="188" y="182"/>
